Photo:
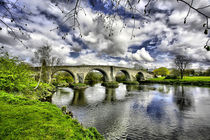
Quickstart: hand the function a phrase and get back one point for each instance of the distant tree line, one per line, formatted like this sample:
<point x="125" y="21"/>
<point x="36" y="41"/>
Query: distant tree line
<point x="162" y="71"/>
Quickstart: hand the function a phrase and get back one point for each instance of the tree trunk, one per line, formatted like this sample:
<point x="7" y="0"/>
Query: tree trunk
<point x="40" y="77"/>
<point x="182" y="73"/>
<point x="50" y="74"/>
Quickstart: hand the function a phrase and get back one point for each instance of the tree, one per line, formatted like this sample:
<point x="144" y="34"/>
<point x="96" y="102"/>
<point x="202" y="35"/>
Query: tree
<point x="93" y="77"/>
<point x="207" y="73"/>
<point x="44" y="58"/>
<point x="181" y="62"/>
<point x="62" y="78"/>
<point x="189" y="72"/>
<point x="161" y="71"/>
<point x="15" y="76"/>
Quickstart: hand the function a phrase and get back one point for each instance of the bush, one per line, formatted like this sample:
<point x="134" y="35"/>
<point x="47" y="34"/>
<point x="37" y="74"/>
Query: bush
<point x="16" y="77"/>
<point x="78" y="86"/>
<point x="172" y="77"/>
<point x="120" y="78"/>
<point x="131" y="82"/>
<point x="62" y="79"/>
<point x="93" y="78"/>
<point x="112" y="84"/>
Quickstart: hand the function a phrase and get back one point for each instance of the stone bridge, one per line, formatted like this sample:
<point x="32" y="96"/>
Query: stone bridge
<point x="109" y="72"/>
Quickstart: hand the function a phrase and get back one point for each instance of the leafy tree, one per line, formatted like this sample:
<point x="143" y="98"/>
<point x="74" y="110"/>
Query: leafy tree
<point x="161" y="71"/>
<point x="44" y="57"/>
<point x="62" y="79"/>
<point x="120" y="78"/>
<point x="174" y="72"/>
<point x="189" y="72"/>
<point x="93" y="77"/>
<point x="181" y="62"/>
<point x="14" y="74"/>
<point x="207" y="73"/>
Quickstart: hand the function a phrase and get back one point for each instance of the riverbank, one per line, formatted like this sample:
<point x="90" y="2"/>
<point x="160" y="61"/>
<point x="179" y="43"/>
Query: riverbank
<point x="22" y="118"/>
<point x="194" y="80"/>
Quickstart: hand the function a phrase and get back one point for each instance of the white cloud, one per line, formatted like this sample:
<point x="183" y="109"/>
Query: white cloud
<point x="188" y="39"/>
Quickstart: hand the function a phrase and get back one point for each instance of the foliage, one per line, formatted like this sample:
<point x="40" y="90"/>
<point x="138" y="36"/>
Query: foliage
<point x="207" y="73"/>
<point x="174" y="72"/>
<point x="188" y="80"/>
<point x="112" y="84"/>
<point x="189" y="72"/>
<point x="44" y="57"/>
<point x="131" y="82"/>
<point x="161" y="71"/>
<point x="93" y="77"/>
<point x="15" y="76"/>
<point x="62" y="79"/>
<point x="23" y="119"/>
<point x="44" y="53"/>
<point x="203" y="73"/>
<point x="78" y="85"/>
<point x="120" y="78"/>
<point x="171" y="77"/>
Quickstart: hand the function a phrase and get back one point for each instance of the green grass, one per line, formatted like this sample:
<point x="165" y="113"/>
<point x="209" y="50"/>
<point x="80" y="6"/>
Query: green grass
<point x="186" y="78"/>
<point x="112" y="84"/>
<point x="194" y="80"/>
<point x="21" y="118"/>
<point x="78" y="86"/>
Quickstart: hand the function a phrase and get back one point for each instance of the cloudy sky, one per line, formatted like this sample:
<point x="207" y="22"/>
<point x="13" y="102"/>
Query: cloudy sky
<point x="152" y="42"/>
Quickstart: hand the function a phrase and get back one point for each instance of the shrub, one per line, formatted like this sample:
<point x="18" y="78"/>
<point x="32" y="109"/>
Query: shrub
<point x="78" y="86"/>
<point x="112" y="84"/>
<point x="16" y="77"/>
<point x="171" y="77"/>
<point x="131" y="82"/>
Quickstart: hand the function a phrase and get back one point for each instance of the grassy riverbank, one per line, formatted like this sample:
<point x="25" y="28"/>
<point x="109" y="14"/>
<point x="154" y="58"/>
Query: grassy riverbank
<point x="22" y="118"/>
<point x="194" y="80"/>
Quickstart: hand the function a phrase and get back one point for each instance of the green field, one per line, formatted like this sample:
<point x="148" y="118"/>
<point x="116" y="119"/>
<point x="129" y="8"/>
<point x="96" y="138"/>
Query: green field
<point x="22" y="118"/>
<point x="194" y="80"/>
<point x="186" y="78"/>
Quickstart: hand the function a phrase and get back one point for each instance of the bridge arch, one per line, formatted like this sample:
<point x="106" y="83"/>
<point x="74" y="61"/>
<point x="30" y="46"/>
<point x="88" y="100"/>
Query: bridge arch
<point x="140" y="76"/>
<point x="126" y="73"/>
<point x="103" y="72"/>
<point x="65" y="70"/>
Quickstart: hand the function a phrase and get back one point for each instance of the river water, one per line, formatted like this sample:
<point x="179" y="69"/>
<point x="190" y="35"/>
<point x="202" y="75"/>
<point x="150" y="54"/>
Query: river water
<point x="141" y="112"/>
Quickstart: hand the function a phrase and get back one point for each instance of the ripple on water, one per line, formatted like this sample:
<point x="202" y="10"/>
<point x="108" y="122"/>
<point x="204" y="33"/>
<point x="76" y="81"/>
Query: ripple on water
<point x="145" y="112"/>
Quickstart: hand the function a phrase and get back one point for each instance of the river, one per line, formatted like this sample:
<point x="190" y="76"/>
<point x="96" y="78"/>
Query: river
<point x="148" y="112"/>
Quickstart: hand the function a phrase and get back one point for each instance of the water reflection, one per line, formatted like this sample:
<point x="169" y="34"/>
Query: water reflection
<point x="141" y="112"/>
<point x="79" y="98"/>
<point x="182" y="98"/>
<point x="110" y="95"/>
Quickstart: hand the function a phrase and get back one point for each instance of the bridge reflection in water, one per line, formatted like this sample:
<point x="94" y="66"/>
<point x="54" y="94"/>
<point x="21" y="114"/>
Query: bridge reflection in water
<point x="97" y="93"/>
<point x="141" y="112"/>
